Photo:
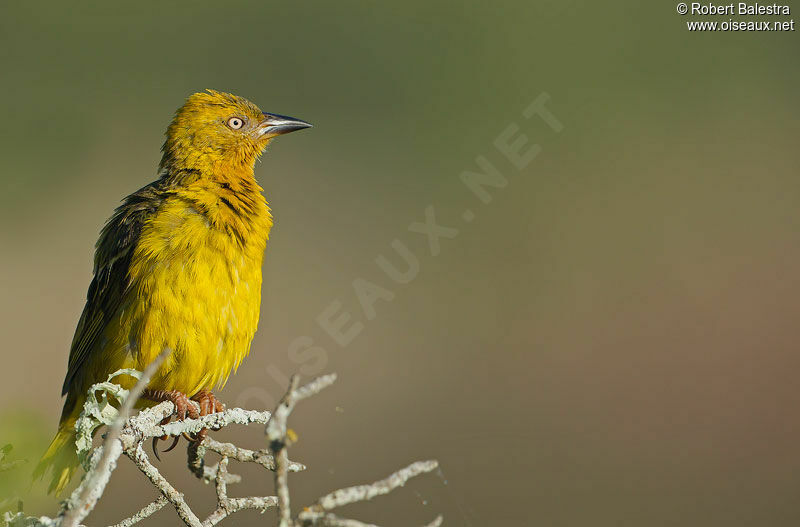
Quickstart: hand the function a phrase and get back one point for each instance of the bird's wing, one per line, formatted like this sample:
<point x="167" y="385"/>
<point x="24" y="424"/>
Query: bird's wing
<point x="113" y="255"/>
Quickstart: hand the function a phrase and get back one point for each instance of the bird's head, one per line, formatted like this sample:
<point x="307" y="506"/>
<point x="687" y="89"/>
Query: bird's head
<point x="221" y="131"/>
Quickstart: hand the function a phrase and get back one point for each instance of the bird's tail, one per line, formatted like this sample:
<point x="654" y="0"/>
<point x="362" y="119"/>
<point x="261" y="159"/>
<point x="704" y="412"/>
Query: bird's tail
<point x="61" y="457"/>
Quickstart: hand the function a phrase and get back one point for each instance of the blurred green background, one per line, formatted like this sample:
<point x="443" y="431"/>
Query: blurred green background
<point x="613" y="339"/>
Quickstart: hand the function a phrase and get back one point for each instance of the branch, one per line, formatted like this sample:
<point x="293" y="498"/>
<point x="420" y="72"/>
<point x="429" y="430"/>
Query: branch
<point x="276" y="431"/>
<point x="227" y="506"/>
<point x="127" y="435"/>
<point x="146" y="511"/>
<point x="350" y="495"/>
<point x="317" y="514"/>
<point x="231" y="451"/>
<point x="91" y="488"/>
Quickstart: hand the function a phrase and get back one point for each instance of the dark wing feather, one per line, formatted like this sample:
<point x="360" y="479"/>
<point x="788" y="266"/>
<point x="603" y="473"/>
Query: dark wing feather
<point x="113" y="254"/>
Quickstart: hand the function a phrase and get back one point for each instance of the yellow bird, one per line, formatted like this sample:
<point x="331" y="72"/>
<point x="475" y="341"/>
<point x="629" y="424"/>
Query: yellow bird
<point x="177" y="266"/>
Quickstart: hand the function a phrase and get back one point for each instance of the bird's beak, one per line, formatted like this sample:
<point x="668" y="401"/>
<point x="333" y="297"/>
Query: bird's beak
<point x="274" y="124"/>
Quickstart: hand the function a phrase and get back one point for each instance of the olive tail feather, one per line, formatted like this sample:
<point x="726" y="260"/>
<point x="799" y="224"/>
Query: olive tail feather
<point x="61" y="458"/>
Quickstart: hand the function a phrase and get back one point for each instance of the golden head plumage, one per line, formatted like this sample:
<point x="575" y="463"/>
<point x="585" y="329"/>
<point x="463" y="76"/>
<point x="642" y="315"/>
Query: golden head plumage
<point x="221" y="131"/>
<point x="178" y="266"/>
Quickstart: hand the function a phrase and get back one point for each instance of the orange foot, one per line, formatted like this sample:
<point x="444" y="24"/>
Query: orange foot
<point x="209" y="404"/>
<point x="183" y="408"/>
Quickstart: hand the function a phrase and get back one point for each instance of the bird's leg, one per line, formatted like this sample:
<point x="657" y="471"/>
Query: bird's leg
<point x="182" y="408"/>
<point x="209" y="404"/>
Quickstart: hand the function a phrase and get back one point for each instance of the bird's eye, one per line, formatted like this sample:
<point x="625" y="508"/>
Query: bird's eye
<point x="235" y="123"/>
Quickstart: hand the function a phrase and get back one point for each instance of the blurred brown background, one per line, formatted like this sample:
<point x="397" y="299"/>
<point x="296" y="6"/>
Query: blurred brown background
<point x="611" y="341"/>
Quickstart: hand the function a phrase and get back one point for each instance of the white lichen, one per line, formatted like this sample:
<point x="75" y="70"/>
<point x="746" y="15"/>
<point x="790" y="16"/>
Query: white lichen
<point x="109" y="404"/>
<point x="100" y="409"/>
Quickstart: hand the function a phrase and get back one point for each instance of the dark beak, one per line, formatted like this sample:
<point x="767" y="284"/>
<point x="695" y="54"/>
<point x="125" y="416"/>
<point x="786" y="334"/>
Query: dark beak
<point x="274" y="124"/>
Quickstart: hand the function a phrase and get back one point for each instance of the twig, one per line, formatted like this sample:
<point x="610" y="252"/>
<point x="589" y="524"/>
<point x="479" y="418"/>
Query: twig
<point x="439" y="520"/>
<point x="328" y="519"/>
<point x="276" y="435"/>
<point x="153" y="507"/>
<point x="146" y="424"/>
<point x="227" y="506"/>
<point x="126" y="435"/>
<point x="91" y="488"/>
<point x="207" y="474"/>
<point x="349" y="495"/>
<point x="172" y="495"/>
<point x="331" y="520"/>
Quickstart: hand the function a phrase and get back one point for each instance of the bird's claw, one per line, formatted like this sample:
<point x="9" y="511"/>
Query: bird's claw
<point x="207" y="402"/>
<point x="164" y="438"/>
<point x="156" y="439"/>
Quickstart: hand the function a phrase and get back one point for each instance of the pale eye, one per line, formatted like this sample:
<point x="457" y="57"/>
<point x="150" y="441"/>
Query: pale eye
<point x="235" y="123"/>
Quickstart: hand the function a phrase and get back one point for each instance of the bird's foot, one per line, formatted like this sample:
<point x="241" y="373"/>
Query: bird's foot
<point x="209" y="404"/>
<point x="183" y="408"/>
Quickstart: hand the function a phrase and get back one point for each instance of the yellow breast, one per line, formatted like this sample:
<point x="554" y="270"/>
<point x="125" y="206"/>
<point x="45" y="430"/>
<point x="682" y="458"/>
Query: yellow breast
<point x="196" y="289"/>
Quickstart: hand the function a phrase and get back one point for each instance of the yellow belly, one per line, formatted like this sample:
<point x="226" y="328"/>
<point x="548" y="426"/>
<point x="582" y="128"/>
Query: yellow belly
<point x="195" y="290"/>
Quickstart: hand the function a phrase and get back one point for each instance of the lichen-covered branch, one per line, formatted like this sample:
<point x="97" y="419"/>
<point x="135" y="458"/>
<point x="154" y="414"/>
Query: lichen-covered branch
<point x="342" y="497"/>
<point x="127" y="435"/>
<point x="94" y="483"/>
<point x="277" y="436"/>
<point x="148" y="510"/>
<point x="319" y="513"/>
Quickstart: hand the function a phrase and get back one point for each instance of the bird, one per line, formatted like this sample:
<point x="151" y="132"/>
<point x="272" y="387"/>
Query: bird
<point x="178" y="267"/>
